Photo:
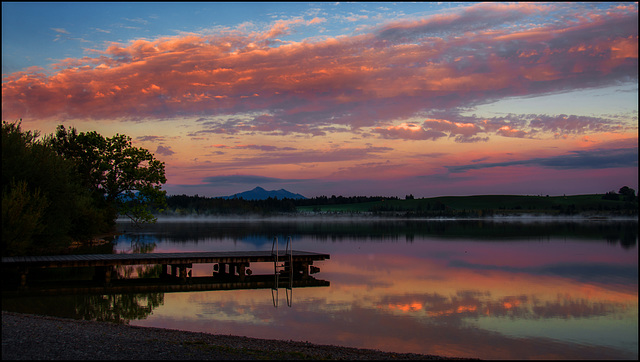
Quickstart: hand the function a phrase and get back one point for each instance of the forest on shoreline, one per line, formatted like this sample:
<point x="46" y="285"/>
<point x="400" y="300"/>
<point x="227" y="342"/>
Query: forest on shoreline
<point x="622" y="203"/>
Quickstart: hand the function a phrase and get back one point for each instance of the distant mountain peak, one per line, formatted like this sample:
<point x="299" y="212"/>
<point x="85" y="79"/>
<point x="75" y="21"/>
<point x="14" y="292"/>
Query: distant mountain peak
<point x="259" y="193"/>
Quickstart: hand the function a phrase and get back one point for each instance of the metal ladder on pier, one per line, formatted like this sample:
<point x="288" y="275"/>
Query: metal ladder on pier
<point x="283" y="271"/>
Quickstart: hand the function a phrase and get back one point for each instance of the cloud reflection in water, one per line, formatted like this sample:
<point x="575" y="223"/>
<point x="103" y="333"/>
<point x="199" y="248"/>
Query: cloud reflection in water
<point x="407" y="301"/>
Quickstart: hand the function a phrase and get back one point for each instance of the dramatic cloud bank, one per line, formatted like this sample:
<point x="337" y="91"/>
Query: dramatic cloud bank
<point x="389" y="107"/>
<point x="241" y="82"/>
<point x="470" y="129"/>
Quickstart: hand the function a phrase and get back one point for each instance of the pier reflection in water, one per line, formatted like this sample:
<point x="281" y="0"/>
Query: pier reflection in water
<point x="165" y="272"/>
<point x="563" y="290"/>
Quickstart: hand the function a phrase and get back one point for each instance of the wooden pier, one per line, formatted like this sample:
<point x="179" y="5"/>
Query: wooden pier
<point x="226" y="264"/>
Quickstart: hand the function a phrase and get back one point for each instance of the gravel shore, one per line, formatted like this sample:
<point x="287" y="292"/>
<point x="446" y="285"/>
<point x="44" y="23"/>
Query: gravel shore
<point x="29" y="337"/>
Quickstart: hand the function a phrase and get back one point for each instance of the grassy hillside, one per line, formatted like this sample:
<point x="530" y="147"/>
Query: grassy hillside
<point x="485" y="205"/>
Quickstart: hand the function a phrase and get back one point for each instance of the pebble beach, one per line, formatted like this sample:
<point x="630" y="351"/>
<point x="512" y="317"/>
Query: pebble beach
<point x="33" y="337"/>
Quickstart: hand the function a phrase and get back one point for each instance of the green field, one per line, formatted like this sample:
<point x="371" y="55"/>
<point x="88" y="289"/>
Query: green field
<point x="484" y="205"/>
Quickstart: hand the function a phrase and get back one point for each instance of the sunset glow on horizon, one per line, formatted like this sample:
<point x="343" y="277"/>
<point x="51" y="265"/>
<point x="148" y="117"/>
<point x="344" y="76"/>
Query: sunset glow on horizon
<point x="351" y="99"/>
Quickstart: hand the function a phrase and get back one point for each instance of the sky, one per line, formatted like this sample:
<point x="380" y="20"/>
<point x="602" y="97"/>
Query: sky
<point x="330" y="98"/>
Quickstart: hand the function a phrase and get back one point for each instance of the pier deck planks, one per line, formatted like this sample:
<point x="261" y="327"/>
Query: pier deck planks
<point x="158" y="258"/>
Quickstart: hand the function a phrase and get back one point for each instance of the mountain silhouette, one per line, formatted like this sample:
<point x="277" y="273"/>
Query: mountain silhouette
<point x="261" y="194"/>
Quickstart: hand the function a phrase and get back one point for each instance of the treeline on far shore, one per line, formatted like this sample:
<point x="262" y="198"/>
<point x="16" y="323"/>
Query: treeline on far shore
<point x="181" y="205"/>
<point x="623" y="203"/>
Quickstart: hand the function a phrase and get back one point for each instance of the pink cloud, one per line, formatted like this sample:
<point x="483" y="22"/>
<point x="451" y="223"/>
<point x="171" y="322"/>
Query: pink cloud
<point x="475" y="129"/>
<point x="286" y="156"/>
<point x="283" y="27"/>
<point x="507" y="131"/>
<point x="473" y="56"/>
<point x="456" y="128"/>
<point x="150" y="138"/>
<point x="165" y="151"/>
<point x="475" y="17"/>
<point x="409" y="132"/>
<point x="265" y="148"/>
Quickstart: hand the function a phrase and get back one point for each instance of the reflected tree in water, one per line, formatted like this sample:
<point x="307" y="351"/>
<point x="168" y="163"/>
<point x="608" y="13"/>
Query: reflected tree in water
<point x="256" y="232"/>
<point x="140" y="244"/>
<point x="118" y="308"/>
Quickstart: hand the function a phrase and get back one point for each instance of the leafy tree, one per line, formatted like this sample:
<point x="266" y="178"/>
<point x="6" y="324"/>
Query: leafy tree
<point x="43" y="202"/>
<point x="71" y="187"/>
<point x="628" y="194"/>
<point x="611" y="195"/>
<point x="22" y="213"/>
<point x="126" y="180"/>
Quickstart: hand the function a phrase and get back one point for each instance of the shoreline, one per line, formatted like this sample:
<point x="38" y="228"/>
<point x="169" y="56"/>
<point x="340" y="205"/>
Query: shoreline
<point x="355" y="216"/>
<point x="28" y="336"/>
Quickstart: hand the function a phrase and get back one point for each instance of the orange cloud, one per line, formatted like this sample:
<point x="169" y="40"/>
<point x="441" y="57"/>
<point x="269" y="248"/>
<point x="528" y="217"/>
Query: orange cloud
<point x="400" y="70"/>
<point x="507" y="131"/>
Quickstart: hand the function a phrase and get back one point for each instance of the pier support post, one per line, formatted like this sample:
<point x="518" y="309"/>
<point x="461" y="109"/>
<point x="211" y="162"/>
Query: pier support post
<point x="305" y="270"/>
<point x="107" y="275"/>
<point x="103" y="274"/>
<point x="183" y="273"/>
<point x="165" y="271"/>
<point x="302" y="267"/>
<point x="242" y="270"/>
<point x="23" y="276"/>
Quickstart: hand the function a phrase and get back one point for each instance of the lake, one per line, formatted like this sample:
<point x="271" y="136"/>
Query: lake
<point x="494" y="289"/>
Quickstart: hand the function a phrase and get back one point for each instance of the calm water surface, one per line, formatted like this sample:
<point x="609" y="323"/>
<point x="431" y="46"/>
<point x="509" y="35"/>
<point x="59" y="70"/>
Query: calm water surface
<point x="474" y="288"/>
